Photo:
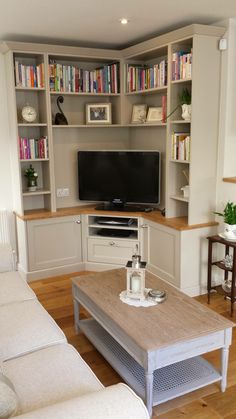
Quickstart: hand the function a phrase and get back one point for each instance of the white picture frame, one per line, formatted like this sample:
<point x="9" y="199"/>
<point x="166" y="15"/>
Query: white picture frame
<point x="98" y="113"/>
<point x="139" y="113"/>
<point x="155" y="114"/>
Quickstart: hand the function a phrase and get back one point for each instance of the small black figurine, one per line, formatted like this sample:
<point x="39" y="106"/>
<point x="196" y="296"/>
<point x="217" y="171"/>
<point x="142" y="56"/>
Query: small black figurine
<point x="60" y="118"/>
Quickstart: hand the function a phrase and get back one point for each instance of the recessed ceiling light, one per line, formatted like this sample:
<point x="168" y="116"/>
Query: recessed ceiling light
<point x="124" y="21"/>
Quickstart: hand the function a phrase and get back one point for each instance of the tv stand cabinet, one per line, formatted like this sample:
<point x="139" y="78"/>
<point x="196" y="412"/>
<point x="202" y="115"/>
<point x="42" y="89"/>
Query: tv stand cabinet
<point x="69" y="241"/>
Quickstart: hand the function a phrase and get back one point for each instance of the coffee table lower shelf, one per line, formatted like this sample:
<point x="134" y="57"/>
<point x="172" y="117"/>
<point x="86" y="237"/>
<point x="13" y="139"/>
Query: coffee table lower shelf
<point x="169" y="382"/>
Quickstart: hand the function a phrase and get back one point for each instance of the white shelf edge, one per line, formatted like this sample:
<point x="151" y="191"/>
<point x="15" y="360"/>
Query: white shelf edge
<point x="35" y="89"/>
<point x="147" y="91"/>
<point x="32" y="125"/>
<point x="180" y="121"/>
<point x="115" y="227"/>
<point x="29" y="160"/>
<point x="83" y="94"/>
<point x="181" y="81"/>
<point x="179" y="198"/>
<point x="180" y="161"/>
<point x="38" y="192"/>
<point x="88" y="126"/>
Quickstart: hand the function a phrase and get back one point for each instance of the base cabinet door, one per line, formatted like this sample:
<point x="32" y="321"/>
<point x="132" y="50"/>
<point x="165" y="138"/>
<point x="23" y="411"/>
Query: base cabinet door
<point x="113" y="251"/>
<point x="54" y="242"/>
<point x="163" y="253"/>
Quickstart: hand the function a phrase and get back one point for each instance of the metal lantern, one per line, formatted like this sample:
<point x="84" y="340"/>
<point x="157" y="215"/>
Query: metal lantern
<point x="135" y="277"/>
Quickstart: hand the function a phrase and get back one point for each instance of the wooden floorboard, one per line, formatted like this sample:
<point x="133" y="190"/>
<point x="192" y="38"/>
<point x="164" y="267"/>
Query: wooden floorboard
<point x="207" y="403"/>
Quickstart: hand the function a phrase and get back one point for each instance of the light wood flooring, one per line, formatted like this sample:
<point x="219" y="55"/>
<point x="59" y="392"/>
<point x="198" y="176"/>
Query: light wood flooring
<point x="208" y="403"/>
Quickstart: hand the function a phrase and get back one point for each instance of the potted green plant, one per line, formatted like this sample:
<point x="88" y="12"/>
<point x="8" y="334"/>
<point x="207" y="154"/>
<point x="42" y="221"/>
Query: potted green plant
<point x="184" y="102"/>
<point x="32" y="177"/>
<point x="229" y="216"/>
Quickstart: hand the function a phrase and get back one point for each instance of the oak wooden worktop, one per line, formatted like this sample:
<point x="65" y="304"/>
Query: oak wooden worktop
<point x="177" y="223"/>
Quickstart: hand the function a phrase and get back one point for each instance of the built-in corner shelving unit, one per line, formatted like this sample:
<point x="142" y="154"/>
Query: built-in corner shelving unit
<point x="147" y="74"/>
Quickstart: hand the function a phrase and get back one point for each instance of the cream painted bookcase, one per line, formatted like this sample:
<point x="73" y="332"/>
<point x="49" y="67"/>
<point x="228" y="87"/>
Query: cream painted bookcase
<point x="59" y="169"/>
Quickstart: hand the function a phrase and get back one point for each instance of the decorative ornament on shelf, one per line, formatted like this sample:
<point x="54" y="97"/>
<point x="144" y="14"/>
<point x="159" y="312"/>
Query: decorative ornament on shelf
<point x="229" y="216"/>
<point x="29" y="114"/>
<point x="60" y="118"/>
<point x="32" y="177"/>
<point x="135" y="278"/>
<point x="184" y="102"/>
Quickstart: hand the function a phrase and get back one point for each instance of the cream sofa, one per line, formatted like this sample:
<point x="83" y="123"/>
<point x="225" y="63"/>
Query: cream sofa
<point x="49" y="377"/>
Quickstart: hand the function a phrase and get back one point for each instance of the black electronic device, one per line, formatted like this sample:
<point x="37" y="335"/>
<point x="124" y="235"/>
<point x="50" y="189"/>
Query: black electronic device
<point x="115" y="221"/>
<point x="120" y="177"/>
<point x="112" y="232"/>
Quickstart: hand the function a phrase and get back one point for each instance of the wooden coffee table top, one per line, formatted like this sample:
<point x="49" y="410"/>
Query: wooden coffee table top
<point x="179" y="318"/>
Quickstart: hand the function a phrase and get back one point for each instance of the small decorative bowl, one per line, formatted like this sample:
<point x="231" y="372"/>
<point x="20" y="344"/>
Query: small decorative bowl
<point x="157" y="295"/>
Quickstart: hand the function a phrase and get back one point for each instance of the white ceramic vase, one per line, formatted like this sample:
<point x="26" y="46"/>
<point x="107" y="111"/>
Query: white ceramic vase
<point x="186" y="112"/>
<point x="230" y="231"/>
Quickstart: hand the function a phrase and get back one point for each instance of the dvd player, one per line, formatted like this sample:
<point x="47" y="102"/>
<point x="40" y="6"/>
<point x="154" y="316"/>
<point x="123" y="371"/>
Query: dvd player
<point x="115" y="221"/>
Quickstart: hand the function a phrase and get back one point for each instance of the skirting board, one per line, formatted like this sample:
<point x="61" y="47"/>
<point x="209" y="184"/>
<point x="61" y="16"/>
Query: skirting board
<point x="47" y="273"/>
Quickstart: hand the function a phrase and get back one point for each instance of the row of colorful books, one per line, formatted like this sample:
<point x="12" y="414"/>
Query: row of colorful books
<point x="146" y="77"/>
<point x="181" y="146"/>
<point x="33" y="148"/>
<point x="181" y="65"/>
<point x="70" y="78"/>
<point x="29" y="75"/>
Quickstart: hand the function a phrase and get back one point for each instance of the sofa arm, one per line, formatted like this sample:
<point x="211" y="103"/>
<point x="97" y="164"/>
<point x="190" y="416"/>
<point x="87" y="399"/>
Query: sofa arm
<point x="114" y="402"/>
<point x="7" y="258"/>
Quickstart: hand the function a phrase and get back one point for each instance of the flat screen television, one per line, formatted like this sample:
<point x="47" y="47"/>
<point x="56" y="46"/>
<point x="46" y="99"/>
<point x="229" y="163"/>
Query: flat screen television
<point x="118" y="178"/>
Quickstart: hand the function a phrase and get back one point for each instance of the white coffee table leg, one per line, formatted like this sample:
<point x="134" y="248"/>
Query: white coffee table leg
<point x="76" y="315"/>
<point x="224" y="367"/>
<point x="149" y="391"/>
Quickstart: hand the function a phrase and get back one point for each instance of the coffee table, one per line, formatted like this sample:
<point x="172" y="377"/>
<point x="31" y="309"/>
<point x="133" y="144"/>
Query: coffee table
<point x="157" y="349"/>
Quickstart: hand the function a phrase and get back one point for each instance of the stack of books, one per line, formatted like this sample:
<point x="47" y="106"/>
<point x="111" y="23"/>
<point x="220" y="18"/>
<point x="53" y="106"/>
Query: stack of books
<point x="70" y="78"/>
<point x="33" y="148"/>
<point x="180" y="146"/>
<point x="146" y="77"/>
<point x="29" y="75"/>
<point x="181" y="65"/>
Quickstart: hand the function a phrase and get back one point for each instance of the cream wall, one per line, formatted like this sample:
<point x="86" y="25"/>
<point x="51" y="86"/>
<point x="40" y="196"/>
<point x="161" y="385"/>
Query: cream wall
<point x="227" y="124"/>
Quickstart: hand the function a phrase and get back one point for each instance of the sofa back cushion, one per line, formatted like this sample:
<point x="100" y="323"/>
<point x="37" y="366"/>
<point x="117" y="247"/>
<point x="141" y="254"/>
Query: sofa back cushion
<point x="8" y="398"/>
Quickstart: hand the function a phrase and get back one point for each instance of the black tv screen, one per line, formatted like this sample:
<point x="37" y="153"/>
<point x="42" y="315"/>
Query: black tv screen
<point x="119" y="176"/>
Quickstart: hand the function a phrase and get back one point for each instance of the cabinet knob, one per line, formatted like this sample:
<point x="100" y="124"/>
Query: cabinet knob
<point x="78" y="222"/>
<point x="144" y="226"/>
<point x="112" y="243"/>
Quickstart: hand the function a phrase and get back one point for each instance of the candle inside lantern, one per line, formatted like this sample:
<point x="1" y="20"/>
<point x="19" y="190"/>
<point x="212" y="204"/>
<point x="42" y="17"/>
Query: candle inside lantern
<point x="135" y="283"/>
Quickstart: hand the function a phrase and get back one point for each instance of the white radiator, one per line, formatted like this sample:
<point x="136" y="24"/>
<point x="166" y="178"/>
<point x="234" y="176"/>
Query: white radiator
<point x="5" y="226"/>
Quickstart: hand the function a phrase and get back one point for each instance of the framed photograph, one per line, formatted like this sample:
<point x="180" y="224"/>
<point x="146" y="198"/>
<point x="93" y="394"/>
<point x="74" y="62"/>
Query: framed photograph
<point x="98" y="113"/>
<point x="139" y="113"/>
<point x="154" y="114"/>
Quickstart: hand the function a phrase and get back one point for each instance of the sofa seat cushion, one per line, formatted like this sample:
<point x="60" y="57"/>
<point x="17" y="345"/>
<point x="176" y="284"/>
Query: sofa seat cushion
<point x="14" y="288"/>
<point x="50" y="375"/>
<point x="25" y="327"/>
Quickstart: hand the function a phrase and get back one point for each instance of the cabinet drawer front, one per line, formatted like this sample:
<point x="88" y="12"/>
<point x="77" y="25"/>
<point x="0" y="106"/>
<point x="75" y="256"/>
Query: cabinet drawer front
<point x="111" y="251"/>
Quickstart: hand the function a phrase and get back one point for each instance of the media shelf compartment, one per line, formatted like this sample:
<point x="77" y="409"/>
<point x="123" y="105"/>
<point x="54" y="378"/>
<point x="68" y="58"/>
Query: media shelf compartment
<point x="116" y="222"/>
<point x="113" y="233"/>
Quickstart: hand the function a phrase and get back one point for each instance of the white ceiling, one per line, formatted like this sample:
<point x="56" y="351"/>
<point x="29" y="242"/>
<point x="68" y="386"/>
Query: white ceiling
<point x="96" y="22"/>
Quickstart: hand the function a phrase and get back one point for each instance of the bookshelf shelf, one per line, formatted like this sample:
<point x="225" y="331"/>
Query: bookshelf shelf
<point x="179" y="198"/>
<point x="180" y="121"/>
<point x="32" y="160"/>
<point x="34" y="89"/>
<point x="147" y="91"/>
<point x="180" y="161"/>
<point x="83" y="94"/>
<point x="38" y="192"/>
<point x="181" y="81"/>
<point x="32" y="125"/>
<point x="86" y="126"/>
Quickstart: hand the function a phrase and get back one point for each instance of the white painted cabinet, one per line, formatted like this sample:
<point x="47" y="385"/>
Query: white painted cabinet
<point x="162" y="246"/>
<point x="54" y="242"/>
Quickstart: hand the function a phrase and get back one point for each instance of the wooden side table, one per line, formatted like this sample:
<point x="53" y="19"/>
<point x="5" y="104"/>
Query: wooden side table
<point x="220" y="264"/>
